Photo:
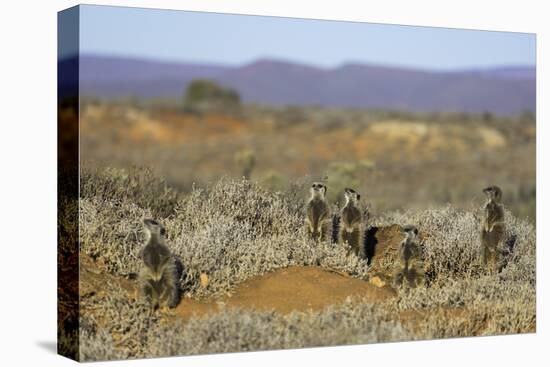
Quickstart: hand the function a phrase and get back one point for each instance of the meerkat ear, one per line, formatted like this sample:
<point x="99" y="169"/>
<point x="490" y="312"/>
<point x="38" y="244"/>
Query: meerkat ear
<point x="358" y="197"/>
<point x="162" y="231"/>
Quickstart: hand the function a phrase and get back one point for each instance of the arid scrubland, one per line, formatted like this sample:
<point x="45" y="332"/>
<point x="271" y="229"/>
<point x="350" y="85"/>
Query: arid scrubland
<point x="233" y="230"/>
<point x="381" y="154"/>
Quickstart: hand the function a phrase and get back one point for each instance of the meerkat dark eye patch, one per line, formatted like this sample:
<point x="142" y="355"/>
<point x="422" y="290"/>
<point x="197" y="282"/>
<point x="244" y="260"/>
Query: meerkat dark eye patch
<point x="149" y="222"/>
<point x="410" y="228"/>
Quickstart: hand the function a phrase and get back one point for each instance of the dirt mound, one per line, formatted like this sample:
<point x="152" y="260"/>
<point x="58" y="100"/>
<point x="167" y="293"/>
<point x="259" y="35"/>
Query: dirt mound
<point x="296" y="288"/>
<point x="302" y="288"/>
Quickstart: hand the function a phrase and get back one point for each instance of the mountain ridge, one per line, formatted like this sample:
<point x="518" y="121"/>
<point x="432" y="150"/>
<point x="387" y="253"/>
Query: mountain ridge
<point x="503" y="89"/>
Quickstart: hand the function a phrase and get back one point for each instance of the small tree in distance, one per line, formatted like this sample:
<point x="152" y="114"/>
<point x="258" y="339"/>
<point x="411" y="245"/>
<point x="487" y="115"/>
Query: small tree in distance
<point x="203" y="95"/>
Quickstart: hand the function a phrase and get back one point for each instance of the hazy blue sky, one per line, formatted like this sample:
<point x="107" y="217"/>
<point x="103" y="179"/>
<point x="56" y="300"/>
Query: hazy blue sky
<point x="239" y="39"/>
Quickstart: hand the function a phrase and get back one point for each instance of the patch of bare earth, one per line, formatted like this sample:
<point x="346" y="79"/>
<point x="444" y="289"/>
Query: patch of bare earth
<point x="296" y="288"/>
<point x="302" y="288"/>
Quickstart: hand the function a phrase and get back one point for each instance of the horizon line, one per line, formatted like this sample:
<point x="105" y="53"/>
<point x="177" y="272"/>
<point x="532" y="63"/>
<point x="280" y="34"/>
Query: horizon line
<point x="295" y="62"/>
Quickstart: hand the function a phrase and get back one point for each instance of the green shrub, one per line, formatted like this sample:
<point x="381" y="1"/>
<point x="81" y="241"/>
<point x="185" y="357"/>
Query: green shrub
<point x="246" y="160"/>
<point x="203" y="95"/>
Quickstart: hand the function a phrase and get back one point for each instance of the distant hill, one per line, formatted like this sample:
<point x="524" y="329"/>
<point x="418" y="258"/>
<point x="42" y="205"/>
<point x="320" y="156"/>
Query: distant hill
<point x="115" y="77"/>
<point x="501" y="90"/>
<point x="511" y="72"/>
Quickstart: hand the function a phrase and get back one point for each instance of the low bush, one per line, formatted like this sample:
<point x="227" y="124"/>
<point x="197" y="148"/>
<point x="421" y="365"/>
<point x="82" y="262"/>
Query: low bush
<point x="235" y="230"/>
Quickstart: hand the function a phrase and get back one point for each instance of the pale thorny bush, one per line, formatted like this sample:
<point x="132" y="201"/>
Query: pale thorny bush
<point x="451" y="243"/>
<point x="112" y="231"/>
<point x="99" y="346"/>
<point x="521" y="259"/>
<point x="231" y="231"/>
<point x="449" y="240"/>
<point x="137" y="185"/>
<point x="114" y="326"/>
<point x="480" y="318"/>
<point x="451" y="248"/>
<point x="465" y="292"/>
<point x="234" y="230"/>
<point x="241" y="330"/>
<point x="132" y="332"/>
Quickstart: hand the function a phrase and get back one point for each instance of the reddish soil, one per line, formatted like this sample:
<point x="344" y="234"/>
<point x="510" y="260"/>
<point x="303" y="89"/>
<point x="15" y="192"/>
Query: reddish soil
<point x="303" y="288"/>
<point x="296" y="288"/>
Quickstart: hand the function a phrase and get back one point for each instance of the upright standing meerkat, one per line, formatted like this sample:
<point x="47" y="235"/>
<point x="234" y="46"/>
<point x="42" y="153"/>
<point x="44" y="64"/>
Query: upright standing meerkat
<point x="318" y="219"/>
<point x="410" y="268"/>
<point x="350" y="231"/>
<point x="157" y="277"/>
<point x="492" y="231"/>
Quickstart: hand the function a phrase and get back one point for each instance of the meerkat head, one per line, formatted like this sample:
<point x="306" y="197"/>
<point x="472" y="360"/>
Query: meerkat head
<point x="493" y="193"/>
<point x="318" y="189"/>
<point x="154" y="229"/>
<point x="410" y="231"/>
<point x="351" y="195"/>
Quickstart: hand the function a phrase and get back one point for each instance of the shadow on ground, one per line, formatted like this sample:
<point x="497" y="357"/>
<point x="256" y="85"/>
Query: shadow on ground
<point x="48" y="345"/>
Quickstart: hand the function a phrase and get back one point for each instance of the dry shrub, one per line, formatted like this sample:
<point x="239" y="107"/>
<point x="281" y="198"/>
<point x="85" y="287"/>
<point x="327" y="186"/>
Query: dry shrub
<point x="480" y="317"/>
<point x="137" y="334"/>
<point x="231" y="231"/>
<point x="451" y="244"/>
<point x="138" y="185"/>
<point x="240" y="330"/>
<point x="114" y="326"/>
<point x="112" y="231"/>
<point x="234" y="230"/>
<point x="99" y="346"/>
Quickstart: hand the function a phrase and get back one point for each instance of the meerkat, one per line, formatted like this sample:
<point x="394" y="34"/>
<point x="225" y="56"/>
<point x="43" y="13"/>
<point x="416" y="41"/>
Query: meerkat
<point x="410" y="269"/>
<point x="492" y="231"/>
<point x="158" y="283"/>
<point x="350" y="231"/>
<point x="318" y="218"/>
